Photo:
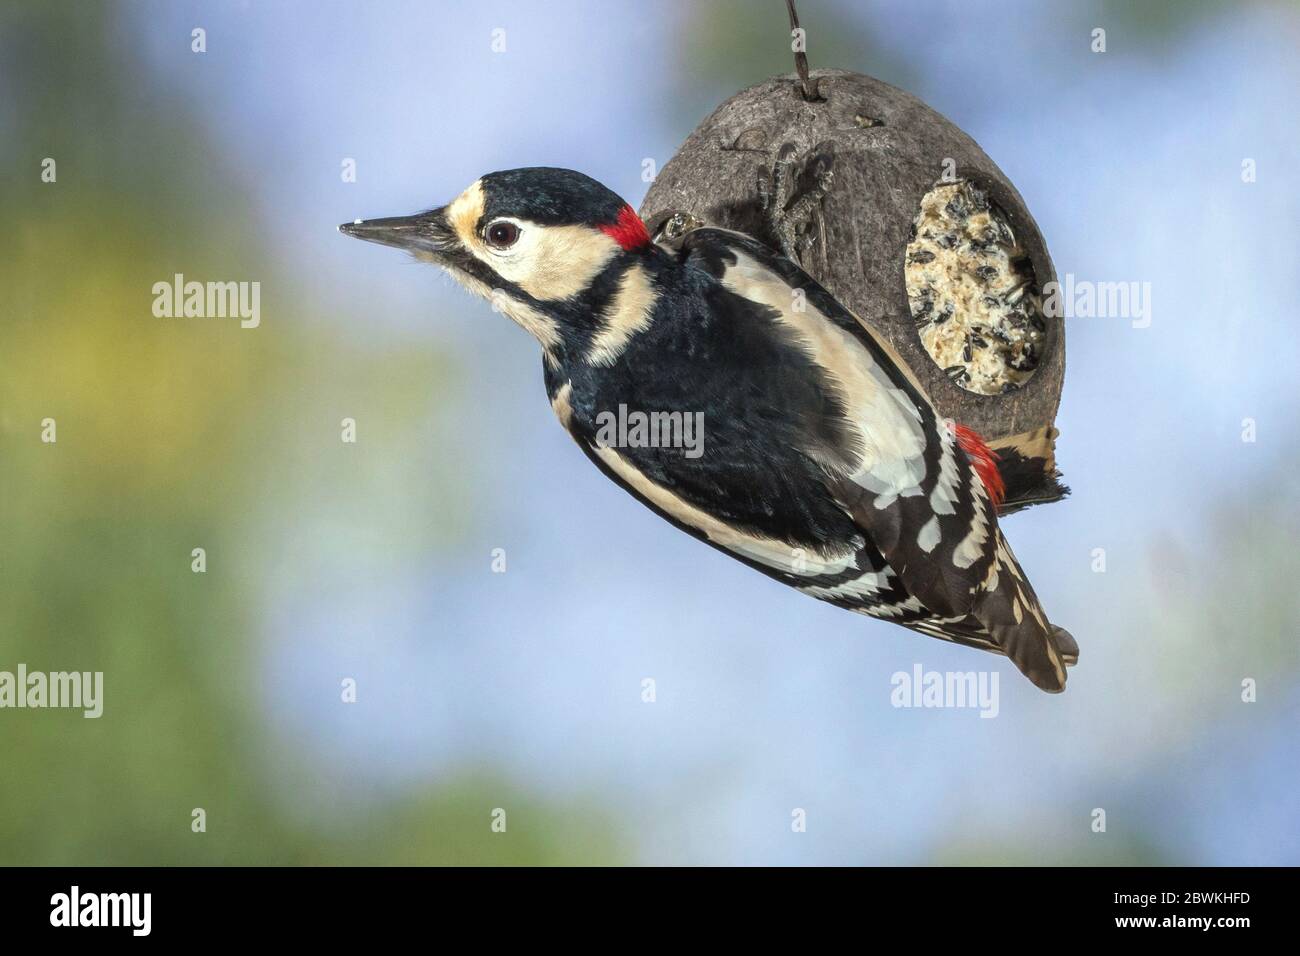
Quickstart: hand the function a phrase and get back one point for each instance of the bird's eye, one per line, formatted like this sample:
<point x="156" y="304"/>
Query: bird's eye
<point x="502" y="234"/>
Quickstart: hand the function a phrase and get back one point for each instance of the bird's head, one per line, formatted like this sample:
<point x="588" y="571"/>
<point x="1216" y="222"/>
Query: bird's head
<point x="549" y="247"/>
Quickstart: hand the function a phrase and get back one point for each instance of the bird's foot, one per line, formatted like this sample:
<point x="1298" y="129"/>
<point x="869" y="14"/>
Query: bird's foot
<point x="674" y="228"/>
<point x="790" y="195"/>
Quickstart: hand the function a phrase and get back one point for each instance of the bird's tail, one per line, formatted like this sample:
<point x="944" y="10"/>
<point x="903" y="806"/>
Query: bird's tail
<point x="1010" y="612"/>
<point x="1027" y="464"/>
<point x="1066" y="646"/>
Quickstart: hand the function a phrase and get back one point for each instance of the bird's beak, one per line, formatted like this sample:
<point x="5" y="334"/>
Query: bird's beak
<point x="425" y="232"/>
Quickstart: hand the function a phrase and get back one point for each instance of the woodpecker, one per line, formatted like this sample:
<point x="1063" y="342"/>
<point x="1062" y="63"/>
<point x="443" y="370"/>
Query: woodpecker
<point x="823" y="464"/>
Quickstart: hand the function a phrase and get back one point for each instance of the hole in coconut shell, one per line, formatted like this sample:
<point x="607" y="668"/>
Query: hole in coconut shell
<point x="972" y="291"/>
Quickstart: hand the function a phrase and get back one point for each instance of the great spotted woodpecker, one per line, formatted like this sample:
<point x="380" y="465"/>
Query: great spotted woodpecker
<point x="824" y="465"/>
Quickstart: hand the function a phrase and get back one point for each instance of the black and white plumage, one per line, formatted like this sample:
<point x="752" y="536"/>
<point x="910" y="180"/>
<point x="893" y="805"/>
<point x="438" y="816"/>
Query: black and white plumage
<point x="824" y="464"/>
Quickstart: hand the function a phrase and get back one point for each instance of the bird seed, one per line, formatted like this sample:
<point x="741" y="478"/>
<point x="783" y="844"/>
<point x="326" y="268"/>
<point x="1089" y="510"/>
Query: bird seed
<point x="972" y="292"/>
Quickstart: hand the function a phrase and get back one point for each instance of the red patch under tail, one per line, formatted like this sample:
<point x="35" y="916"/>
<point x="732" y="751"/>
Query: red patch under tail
<point x="985" y="461"/>
<point x="628" y="230"/>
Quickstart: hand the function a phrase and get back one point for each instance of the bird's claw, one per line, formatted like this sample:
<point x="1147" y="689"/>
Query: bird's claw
<point x="675" y="227"/>
<point x="790" y="195"/>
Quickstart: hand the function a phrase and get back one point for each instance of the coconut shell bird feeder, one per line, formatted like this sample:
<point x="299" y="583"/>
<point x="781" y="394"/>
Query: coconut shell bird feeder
<point x="907" y="222"/>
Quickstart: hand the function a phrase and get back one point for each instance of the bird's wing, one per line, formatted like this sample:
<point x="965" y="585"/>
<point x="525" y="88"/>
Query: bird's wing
<point x="908" y="478"/>
<point x="899" y="470"/>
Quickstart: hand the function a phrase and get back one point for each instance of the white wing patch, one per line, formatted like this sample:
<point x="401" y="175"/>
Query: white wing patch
<point x="971" y="548"/>
<point x="890" y="440"/>
<point x="929" y="535"/>
<point x="887" y="611"/>
<point x="859" y="589"/>
<point x="944" y="497"/>
<point x="871" y="590"/>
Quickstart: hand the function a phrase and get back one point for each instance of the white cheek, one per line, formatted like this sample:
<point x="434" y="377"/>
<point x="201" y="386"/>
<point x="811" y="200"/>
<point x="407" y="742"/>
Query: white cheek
<point x="516" y="264"/>
<point x="551" y="262"/>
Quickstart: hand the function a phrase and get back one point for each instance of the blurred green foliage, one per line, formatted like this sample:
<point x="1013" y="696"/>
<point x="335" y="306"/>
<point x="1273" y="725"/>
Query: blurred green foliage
<point x="174" y="434"/>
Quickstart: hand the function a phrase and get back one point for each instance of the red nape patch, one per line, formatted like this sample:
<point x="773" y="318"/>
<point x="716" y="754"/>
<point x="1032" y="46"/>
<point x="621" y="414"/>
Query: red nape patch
<point x="985" y="461"/>
<point x="628" y="230"/>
